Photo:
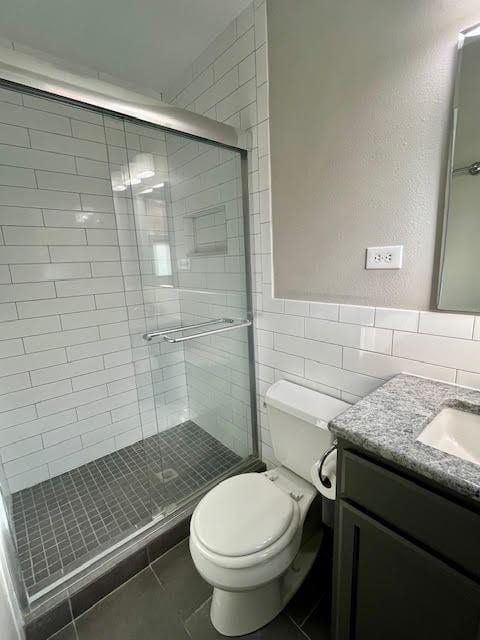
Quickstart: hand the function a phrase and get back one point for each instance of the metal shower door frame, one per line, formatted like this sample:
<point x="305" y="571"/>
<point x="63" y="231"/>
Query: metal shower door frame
<point x="23" y="72"/>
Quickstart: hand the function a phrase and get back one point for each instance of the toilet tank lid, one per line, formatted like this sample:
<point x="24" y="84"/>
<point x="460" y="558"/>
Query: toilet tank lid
<point x="306" y="404"/>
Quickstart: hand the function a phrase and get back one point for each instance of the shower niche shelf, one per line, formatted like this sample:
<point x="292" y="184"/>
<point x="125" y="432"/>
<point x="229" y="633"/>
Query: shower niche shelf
<point x="206" y="233"/>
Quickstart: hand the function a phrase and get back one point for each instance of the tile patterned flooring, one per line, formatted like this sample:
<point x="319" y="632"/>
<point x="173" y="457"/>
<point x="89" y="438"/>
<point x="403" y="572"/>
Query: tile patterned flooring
<point x="63" y="521"/>
<point x="170" y="600"/>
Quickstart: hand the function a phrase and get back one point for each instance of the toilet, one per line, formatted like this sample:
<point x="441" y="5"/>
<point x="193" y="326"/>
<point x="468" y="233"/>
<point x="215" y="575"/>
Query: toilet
<point x="246" y="533"/>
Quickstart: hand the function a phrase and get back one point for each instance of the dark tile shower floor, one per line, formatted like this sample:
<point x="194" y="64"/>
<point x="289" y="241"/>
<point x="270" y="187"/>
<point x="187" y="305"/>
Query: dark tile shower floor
<point x="62" y="522"/>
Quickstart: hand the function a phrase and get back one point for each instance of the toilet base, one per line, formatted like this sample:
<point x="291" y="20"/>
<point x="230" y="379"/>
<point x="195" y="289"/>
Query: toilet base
<point x="236" y="613"/>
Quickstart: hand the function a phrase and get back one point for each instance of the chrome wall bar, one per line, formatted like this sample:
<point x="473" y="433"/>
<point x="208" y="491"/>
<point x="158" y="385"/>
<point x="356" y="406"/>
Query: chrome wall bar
<point x="24" y="69"/>
<point x="236" y="325"/>
<point x="162" y="332"/>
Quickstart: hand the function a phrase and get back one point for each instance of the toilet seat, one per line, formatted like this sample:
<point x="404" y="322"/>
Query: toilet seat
<point x="244" y="521"/>
<point x="224" y="518"/>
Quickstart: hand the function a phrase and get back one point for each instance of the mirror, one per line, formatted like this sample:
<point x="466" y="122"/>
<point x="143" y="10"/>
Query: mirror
<point x="459" y="284"/>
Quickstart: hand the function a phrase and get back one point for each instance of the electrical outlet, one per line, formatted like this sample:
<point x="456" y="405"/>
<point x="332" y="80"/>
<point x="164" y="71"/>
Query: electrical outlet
<point x="384" y="257"/>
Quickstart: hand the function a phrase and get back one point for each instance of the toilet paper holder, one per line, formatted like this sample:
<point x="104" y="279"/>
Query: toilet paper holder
<point x="324" y="479"/>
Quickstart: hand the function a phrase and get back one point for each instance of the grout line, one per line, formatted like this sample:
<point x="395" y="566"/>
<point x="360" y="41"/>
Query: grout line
<point x="170" y="549"/>
<point x="196" y="611"/>
<point x="147" y="568"/>
<point x="298" y="627"/>
<point x="75" y="630"/>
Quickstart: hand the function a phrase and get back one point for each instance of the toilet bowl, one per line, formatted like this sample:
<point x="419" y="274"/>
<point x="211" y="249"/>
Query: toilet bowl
<point x="247" y="535"/>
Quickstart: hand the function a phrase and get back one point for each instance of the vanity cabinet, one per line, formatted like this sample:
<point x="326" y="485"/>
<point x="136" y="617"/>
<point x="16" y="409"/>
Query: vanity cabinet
<point x="407" y="557"/>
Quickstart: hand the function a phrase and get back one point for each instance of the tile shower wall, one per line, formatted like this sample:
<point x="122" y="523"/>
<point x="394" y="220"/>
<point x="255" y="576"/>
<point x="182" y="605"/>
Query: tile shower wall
<point x="144" y="224"/>
<point x="76" y="381"/>
<point x="209" y="251"/>
<point x="342" y="350"/>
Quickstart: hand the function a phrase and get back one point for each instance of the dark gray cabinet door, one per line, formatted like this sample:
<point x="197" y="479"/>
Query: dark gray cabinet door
<point x="388" y="588"/>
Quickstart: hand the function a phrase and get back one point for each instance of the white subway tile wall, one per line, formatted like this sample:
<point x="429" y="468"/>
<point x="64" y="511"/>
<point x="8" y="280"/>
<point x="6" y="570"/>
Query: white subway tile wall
<point x="343" y="350"/>
<point x="207" y="219"/>
<point x="77" y="293"/>
<point x="153" y="299"/>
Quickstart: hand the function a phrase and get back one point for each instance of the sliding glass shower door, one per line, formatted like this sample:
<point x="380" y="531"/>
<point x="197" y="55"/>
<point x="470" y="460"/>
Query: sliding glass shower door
<point x="126" y="365"/>
<point x="188" y="215"/>
<point x="71" y="430"/>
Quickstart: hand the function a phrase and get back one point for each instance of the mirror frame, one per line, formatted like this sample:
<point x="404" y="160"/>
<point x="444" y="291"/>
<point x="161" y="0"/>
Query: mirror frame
<point x="448" y="178"/>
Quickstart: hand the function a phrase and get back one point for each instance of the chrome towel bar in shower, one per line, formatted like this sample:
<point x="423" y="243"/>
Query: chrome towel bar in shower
<point x="232" y="324"/>
<point x="162" y="332"/>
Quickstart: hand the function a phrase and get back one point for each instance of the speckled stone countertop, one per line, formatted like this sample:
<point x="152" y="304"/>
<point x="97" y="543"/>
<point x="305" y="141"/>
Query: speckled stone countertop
<point x="388" y="421"/>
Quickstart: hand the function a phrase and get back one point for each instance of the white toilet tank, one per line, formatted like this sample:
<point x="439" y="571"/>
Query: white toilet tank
<point x="298" y="419"/>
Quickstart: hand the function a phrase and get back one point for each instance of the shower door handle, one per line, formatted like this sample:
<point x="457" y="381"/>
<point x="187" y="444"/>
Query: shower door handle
<point x="234" y="325"/>
<point x="163" y="332"/>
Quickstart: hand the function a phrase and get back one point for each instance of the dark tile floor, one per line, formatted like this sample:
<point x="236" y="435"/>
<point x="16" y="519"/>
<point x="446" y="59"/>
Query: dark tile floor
<point x="62" y="522"/>
<point x="169" y="601"/>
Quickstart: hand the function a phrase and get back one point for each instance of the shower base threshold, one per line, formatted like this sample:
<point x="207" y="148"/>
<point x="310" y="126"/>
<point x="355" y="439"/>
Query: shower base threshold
<point x="63" y="524"/>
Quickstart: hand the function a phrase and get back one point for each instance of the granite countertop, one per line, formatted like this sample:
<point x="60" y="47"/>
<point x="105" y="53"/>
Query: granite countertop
<point x="388" y="421"/>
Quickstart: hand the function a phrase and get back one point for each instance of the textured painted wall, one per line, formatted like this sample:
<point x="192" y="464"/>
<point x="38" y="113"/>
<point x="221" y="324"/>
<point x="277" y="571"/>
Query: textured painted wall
<point x="360" y="99"/>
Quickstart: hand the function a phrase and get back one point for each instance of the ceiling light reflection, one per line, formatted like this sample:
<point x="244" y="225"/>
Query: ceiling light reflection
<point x="118" y="181"/>
<point x="144" y="166"/>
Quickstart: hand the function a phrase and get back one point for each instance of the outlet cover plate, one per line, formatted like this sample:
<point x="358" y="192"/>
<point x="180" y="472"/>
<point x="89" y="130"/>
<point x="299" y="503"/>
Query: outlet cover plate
<point x="388" y="257"/>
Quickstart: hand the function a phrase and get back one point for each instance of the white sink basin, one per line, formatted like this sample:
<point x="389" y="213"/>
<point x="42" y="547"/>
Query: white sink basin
<point x="455" y="432"/>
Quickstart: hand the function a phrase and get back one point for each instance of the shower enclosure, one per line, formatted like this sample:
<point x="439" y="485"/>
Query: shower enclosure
<point x="127" y="380"/>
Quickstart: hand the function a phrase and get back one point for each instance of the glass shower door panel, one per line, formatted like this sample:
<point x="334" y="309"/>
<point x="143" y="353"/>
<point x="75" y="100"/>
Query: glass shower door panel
<point x="208" y="238"/>
<point x="153" y="301"/>
<point x="136" y="414"/>
<point x="83" y="485"/>
<point x="188" y="234"/>
<point x="218" y="378"/>
<point x="67" y="389"/>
